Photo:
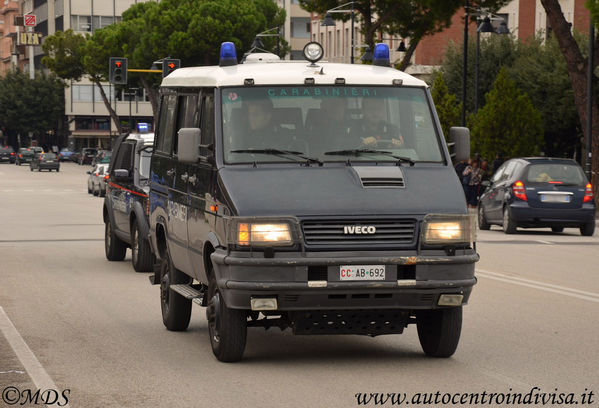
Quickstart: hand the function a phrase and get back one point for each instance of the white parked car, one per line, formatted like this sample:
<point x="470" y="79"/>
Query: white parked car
<point x="96" y="183"/>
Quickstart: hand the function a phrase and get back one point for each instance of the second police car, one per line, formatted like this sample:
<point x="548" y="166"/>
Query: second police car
<point x="126" y="204"/>
<point x="314" y="196"/>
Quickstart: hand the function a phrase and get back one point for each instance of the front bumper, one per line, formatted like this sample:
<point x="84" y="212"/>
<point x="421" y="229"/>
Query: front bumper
<point x="527" y="216"/>
<point x="311" y="281"/>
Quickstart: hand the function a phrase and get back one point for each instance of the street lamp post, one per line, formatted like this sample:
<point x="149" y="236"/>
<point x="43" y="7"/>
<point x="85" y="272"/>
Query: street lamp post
<point x="328" y="21"/>
<point x="484" y="27"/>
<point x="465" y="64"/>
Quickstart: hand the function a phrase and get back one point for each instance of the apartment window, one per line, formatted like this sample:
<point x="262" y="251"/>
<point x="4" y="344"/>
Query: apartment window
<point x="102" y="21"/>
<point x="82" y="93"/>
<point x="346" y="41"/>
<point x="98" y="95"/>
<point x="329" y="42"/>
<point x="81" y="23"/>
<point x="338" y="43"/>
<point x="300" y="27"/>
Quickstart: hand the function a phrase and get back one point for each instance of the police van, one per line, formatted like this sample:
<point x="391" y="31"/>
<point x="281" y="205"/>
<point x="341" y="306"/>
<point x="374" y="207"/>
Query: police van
<point x="309" y="196"/>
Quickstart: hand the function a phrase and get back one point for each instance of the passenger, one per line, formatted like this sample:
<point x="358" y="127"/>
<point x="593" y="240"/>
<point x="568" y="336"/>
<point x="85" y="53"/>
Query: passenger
<point x="374" y="128"/>
<point x="262" y="131"/>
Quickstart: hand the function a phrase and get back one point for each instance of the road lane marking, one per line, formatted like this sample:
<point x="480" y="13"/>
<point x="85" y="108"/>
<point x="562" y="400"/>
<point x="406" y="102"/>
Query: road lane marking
<point x="548" y="287"/>
<point x="544" y="242"/>
<point x="34" y="368"/>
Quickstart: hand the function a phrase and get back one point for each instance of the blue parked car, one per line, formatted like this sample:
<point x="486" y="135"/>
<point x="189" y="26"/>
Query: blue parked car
<point x="538" y="192"/>
<point x="65" y="154"/>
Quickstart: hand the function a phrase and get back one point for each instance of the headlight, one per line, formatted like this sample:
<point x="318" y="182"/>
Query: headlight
<point x="448" y="229"/>
<point x="263" y="233"/>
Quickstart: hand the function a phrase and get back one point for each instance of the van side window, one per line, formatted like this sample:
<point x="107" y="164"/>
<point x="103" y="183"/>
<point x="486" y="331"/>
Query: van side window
<point x="207" y="124"/>
<point x="124" y="158"/>
<point x="187" y="115"/>
<point x="166" y="124"/>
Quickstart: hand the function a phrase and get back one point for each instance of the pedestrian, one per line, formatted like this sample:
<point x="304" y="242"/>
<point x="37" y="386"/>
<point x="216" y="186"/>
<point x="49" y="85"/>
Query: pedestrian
<point x="497" y="162"/>
<point x="485" y="175"/>
<point x="460" y="167"/>
<point x="471" y="182"/>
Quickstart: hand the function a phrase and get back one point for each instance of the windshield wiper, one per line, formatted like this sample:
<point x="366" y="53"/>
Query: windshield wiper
<point x="280" y="152"/>
<point x="359" y="152"/>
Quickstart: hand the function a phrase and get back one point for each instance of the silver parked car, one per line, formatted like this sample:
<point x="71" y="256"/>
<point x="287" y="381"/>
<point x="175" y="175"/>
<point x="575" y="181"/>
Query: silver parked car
<point x="96" y="183"/>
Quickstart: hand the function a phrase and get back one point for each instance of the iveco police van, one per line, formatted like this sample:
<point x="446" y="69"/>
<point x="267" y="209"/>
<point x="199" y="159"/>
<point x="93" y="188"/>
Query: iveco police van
<point x="309" y="196"/>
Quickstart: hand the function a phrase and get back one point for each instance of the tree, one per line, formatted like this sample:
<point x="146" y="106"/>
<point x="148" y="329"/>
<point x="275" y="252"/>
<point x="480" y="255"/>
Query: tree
<point x="413" y="19"/>
<point x="30" y="105"/>
<point x="508" y="122"/>
<point x="447" y="104"/>
<point x="540" y="71"/>
<point x="495" y="51"/>
<point x="577" y="65"/>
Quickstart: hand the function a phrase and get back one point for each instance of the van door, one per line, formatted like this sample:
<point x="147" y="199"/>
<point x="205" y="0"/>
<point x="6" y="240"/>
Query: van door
<point x="119" y="195"/>
<point x="202" y="210"/>
<point x="165" y="184"/>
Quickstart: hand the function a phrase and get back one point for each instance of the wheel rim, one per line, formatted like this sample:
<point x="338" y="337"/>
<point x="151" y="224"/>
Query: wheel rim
<point x="135" y="246"/>
<point x="164" y="290"/>
<point x="506" y="219"/>
<point x="108" y="233"/>
<point x="481" y="216"/>
<point x="212" y="313"/>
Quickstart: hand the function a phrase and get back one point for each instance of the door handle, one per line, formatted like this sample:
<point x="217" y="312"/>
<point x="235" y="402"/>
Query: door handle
<point x="184" y="177"/>
<point x="193" y="180"/>
<point x="170" y="172"/>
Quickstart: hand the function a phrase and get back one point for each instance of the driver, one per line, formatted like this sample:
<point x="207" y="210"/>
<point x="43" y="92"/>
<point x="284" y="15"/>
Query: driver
<point x="373" y="130"/>
<point x="262" y="131"/>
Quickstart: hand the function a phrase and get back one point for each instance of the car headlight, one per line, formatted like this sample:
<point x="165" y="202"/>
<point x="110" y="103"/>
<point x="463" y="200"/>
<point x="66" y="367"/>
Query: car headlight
<point x="263" y="233"/>
<point x="448" y="229"/>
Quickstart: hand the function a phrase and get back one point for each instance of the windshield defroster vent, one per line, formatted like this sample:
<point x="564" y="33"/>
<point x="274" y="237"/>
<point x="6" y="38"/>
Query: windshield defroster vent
<point x="380" y="177"/>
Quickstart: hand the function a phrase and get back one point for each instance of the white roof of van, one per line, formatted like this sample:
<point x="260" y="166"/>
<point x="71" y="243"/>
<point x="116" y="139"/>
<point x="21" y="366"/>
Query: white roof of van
<point x="287" y="73"/>
<point x="148" y="138"/>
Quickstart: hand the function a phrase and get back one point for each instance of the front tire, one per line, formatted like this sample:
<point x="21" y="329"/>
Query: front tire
<point x="141" y="253"/>
<point x="227" y="327"/>
<point x="113" y="246"/>
<point x="482" y="220"/>
<point x="439" y="331"/>
<point x="588" y="229"/>
<point x="557" y="229"/>
<point x="176" y="310"/>
<point x="509" y="225"/>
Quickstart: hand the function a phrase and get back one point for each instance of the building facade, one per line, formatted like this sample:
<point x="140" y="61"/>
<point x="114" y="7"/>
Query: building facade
<point x="88" y="120"/>
<point x="524" y="18"/>
<point x="9" y="9"/>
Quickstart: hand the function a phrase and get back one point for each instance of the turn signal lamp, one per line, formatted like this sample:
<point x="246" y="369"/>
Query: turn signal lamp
<point x="518" y="190"/>
<point x="380" y="56"/>
<point x="588" y="194"/>
<point x="228" y="54"/>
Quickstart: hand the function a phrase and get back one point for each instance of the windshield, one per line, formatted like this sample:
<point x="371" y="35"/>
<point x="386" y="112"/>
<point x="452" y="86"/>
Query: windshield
<point x="555" y="173"/>
<point x="325" y="122"/>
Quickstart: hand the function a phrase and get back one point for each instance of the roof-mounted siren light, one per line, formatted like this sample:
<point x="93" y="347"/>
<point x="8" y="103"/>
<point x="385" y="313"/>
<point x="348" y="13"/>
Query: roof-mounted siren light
<point x="380" y="56"/>
<point x="228" y="54"/>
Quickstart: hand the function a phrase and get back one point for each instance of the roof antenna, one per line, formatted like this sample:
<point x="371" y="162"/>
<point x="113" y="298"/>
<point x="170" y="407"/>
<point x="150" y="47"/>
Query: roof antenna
<point x="322" y="71"/>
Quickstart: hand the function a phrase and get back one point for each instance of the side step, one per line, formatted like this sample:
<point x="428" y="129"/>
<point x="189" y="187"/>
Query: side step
<point x="193" y="292"/>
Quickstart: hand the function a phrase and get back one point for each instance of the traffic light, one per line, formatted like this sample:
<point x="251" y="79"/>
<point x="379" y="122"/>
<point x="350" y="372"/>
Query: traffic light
<point x="118" y="70"/>
<point x="169" y="65"/>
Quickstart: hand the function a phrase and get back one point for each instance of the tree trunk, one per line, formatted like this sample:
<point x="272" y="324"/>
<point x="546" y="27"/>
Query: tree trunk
<point x="577" y="68"/>
<point x="153" y="95"/>
<point x="113" y="115"/>
<point x="405" y="61"/>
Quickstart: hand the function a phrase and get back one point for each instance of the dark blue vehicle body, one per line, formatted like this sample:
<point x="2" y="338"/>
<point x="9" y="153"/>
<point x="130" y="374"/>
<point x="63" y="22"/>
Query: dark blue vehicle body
<point x="554" y="193"/>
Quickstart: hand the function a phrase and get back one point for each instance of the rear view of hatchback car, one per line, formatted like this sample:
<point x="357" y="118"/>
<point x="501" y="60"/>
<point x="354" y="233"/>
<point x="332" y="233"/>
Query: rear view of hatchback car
<point x="538" y="192"/>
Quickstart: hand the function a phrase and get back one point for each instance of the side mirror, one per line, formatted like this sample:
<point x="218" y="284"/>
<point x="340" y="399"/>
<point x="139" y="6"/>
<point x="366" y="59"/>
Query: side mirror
<point x="121" y="174"/>
<point x="459" y="140"/>
<point x="188" y="151"/>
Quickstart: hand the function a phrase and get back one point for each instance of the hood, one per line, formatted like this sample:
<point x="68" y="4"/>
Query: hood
<point x="334" y="191"/>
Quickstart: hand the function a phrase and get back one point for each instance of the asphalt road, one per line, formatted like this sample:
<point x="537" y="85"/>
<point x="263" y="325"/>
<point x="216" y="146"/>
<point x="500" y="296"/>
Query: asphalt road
<point x="94" y="328"/>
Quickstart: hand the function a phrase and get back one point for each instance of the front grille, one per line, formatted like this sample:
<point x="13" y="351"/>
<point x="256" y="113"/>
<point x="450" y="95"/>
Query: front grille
<point x="389" y="232"/>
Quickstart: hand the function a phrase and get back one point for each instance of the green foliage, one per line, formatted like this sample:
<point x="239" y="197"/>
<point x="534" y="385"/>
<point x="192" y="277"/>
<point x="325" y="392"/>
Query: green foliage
<point x="63" y="54"/>
<point x="495" y="51"/>
<point x="508" y="122"/>
<point x="593" y="6"/>
<point x="540" y="70"/>
<point x="447" y="104"/>
<point x="30" y="105"/>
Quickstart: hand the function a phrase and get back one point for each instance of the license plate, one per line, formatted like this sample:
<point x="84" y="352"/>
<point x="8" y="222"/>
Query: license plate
<point x="555" y="198"/>
<point x="50" y="161"/>
<point x="362" y="272"/>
